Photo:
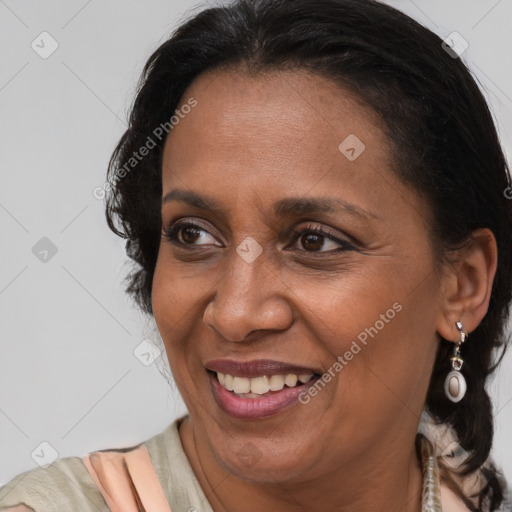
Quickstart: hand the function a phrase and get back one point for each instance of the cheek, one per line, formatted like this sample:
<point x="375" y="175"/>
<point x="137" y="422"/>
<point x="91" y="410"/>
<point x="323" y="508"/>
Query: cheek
<point x="347" y="306"/>
<point x="173" y="307"/>
<point x="176" y="293"/>
<point x="180" y="294"/>
<point x="386" y="382"/>
<point x="172" y="299"/>
<point x="379" y="337"/>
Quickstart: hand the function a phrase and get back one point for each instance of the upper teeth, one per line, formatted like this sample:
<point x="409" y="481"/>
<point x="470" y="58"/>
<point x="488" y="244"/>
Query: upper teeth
<point x="261" y="385"/>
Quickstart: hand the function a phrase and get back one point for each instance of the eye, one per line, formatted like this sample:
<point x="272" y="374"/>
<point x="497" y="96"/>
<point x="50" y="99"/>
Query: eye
<point x="187" y="233"/>
<point x="315" y="238"/>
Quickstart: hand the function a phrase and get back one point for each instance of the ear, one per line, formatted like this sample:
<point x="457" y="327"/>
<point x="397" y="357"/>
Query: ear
<point x="467" y="284"/>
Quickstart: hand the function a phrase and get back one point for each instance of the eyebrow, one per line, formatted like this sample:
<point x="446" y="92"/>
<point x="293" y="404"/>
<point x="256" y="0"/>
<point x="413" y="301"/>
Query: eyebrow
<point x="286" y="206"/>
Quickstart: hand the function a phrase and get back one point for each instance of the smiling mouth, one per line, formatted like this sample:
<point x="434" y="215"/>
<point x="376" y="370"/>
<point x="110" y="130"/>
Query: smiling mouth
<point x="261" y="386"/>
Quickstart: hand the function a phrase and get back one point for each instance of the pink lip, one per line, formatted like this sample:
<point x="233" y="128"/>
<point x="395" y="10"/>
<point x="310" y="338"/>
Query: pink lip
<point x="270" y="404"/>
<point x="257" y="368"/>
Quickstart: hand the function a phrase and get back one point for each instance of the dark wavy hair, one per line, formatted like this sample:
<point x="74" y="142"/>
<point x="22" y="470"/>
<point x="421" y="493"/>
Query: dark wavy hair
<point x="443" y="143"/>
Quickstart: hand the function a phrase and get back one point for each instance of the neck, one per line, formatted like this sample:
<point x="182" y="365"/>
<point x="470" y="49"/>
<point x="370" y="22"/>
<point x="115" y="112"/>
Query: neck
<point x="388" y="478"/>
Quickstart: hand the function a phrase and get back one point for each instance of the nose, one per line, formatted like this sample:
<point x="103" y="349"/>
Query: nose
<point x="249" y="297"/>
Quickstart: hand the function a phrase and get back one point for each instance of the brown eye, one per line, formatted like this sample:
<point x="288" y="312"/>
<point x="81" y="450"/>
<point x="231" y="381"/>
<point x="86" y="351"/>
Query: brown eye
<point x="312" y="242"/>
<point x="188" y="233"/>
<point x="314" y="239"/>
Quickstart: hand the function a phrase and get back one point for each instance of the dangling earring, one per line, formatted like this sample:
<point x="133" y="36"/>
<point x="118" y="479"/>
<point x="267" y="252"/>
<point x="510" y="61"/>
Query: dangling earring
<point x="455" y="383"/>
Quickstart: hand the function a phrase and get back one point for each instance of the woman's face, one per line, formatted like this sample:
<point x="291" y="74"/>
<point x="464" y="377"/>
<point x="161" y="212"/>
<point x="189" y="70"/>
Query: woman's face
<point x="238" y="292"/>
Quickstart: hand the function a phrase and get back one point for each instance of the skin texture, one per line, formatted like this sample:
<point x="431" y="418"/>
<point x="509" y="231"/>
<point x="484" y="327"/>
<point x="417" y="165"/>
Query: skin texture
<point x="251" y="141"/>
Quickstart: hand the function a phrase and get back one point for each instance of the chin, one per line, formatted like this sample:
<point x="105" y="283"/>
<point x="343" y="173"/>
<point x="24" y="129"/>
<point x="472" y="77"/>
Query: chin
<point x="261" y="461"/>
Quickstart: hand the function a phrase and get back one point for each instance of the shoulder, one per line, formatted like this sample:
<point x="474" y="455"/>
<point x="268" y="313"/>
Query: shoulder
<point x="178" y="480"/>
<point x="450" y="501"/>
<point x="64" y="485"/>
<point x="20" y="508"/>
<point x="449" y="459"/>
<point x="69" y="484"/>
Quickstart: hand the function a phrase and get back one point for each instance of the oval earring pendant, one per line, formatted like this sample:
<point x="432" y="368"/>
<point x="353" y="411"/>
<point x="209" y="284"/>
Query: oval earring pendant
<point x="455" y="386"/>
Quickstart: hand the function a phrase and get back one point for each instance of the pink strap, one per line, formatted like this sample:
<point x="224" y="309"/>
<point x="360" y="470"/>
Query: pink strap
<point x="127" y="480"/>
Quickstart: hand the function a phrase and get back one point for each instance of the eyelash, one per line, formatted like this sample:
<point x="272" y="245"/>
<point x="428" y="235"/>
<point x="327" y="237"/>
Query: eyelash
<point x="171" y="233"/>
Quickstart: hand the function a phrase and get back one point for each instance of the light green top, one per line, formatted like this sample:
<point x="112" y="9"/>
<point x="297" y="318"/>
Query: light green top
<point x="66" y="484"/>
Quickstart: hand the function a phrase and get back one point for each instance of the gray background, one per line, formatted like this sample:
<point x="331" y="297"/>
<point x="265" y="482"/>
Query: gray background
<point x="68" y="374"/>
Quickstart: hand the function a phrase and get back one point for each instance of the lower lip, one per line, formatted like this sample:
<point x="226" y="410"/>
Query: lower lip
<point x="275" y="402"/>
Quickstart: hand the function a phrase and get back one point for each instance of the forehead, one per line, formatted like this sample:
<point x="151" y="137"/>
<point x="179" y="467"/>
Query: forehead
<point x="273" y="130"/>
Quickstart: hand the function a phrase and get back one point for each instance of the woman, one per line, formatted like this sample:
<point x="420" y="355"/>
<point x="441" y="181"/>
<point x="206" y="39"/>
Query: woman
<point x="316" y="198"/>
